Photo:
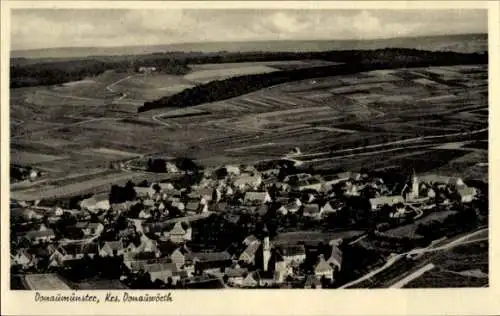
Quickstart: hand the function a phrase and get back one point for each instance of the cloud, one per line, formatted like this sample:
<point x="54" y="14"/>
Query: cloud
<point x="39" y="28"/>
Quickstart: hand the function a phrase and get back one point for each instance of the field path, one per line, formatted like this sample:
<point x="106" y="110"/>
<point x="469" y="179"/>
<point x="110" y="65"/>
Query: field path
<point x="31" y="133"/>
<point x="109" y="87"/>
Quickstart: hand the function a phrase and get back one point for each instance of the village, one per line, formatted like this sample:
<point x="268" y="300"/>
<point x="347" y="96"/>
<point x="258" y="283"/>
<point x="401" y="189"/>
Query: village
<point x="237" y="227"/>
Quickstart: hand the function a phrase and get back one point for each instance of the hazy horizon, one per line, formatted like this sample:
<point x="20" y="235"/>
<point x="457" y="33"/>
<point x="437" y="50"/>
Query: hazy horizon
<point x="253" y="41"/>
<point x="34" y="29"/>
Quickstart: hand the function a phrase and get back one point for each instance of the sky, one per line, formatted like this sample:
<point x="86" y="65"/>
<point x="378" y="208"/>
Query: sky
<point x="48" y="28"/>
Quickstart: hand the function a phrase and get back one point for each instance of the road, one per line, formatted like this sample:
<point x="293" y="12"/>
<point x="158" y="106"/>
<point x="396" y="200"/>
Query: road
<point x="109" y="87"/>
<point x="401" y="283"/>
<point x="419" y="212"/>
<point x="403" y="141"/>
<point x="459" y="241"/>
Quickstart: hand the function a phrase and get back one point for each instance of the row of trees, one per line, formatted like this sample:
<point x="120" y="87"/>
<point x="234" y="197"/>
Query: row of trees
<point x="58" y="72"/>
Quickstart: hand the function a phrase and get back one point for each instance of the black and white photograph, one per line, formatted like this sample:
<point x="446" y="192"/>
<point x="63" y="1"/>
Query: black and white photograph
<point x="245" y="148"/>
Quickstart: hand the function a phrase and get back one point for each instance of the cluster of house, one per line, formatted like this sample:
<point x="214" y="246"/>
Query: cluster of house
<point x="423" y="190"/>
<point x="165" y="255"/>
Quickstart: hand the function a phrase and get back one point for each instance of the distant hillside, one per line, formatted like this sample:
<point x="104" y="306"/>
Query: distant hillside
<point x="351" y="62"/>
<point x="467" y="43"/>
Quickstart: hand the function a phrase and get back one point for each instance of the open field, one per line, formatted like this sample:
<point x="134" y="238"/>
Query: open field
<point x="98" y="285"/>
<point x="207" y="75"/>
<point x="462" y="266"/>
<point x="374" y="120"/>
<point x="410" y="229"/>
<point x="44" y="282"/>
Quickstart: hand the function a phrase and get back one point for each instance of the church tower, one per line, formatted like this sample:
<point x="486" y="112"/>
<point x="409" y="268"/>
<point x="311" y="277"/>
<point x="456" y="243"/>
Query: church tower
<point x="266" y="250"/>
<point x="415" y="188"/>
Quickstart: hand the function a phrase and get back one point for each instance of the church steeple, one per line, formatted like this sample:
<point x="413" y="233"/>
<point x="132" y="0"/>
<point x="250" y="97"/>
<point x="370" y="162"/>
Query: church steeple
<point x="266" y="249"/>
<point x="415" y="188"/>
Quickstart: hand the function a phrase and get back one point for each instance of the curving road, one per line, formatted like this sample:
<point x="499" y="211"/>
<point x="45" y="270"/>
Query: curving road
<point x="459" y="241"/>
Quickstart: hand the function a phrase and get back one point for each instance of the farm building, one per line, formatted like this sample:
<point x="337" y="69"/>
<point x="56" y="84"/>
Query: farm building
<point x="378" y="202"/>
<point x="467" y="194"/>
<point x="146" y="69"/>
<point x="160" y="271"/>
<point x="23" y="258"/>
<point x="209" y="261"/>
<point x="180" y="233"/>
<point x="24" y="214"/>
<point x="246" y="180"/>
<point x="236" y="275"/>
<point x="71" y="252"/>
<point x="439" y="179"/>
<point x="144" y="192"/>
<point x="90" y="229"/>
<point x="323" y="269"/>
<point x="250" y="240"/>
<point x="312" y="210"/>
<point x="292" y="254"/>
<point x="312" y="282"/>
<point x="233" y="170"/>
<point x="95" y="205"/>
<point x="256" y="198"/>
<point x="46" y="235"/>
<point x="111" y="248"/>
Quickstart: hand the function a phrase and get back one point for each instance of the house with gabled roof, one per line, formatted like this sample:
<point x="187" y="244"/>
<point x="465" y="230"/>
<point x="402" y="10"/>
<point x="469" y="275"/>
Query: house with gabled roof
<point x="209" y="260"/>
<point x="66" y="253"/>
<point x="293" y="254"/>
<point x="160" y="271"/>
<point x="323" y="269"/>
<point x="236" y="275"/>
<point x="94" y="205"/>
<point x="335" y="258"/>
<point x="312" y="282"/>
<point x="327" y="209"/>
<point x="248" y="181"/>
<point x="378" y="202"/>
<point x="37" y="236"/>
<point x="23" y="258"/>
<point x="312" y="210"/>
<point x="180" y="233"/>
<point x="467" y="194"/>
<point x="90" y="229"/>
<point x="251" y="280"/>
<point x="144" y="192"/>
<point x="111" y="248"/>
<point x="440" y="179"/>
<point x="250" y="240"/>
<point x="178" y="256"/>
<point x="248" y="255"/>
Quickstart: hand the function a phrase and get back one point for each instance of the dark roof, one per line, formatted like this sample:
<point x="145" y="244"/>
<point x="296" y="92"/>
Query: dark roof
<point x="311" y="208"/>
<point x="43" y="233"/>
<point x="79" y="249"/>
<point x="157" y="267"/>
<point x="292" y="250"/>
<point x="114" y="245"/>
<point x="235" y="272"/>
<point x="221" y="207"/>
<point x="193" y="205"/>
<point x="312" y="280"/>
<point x="209" y="256"/>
